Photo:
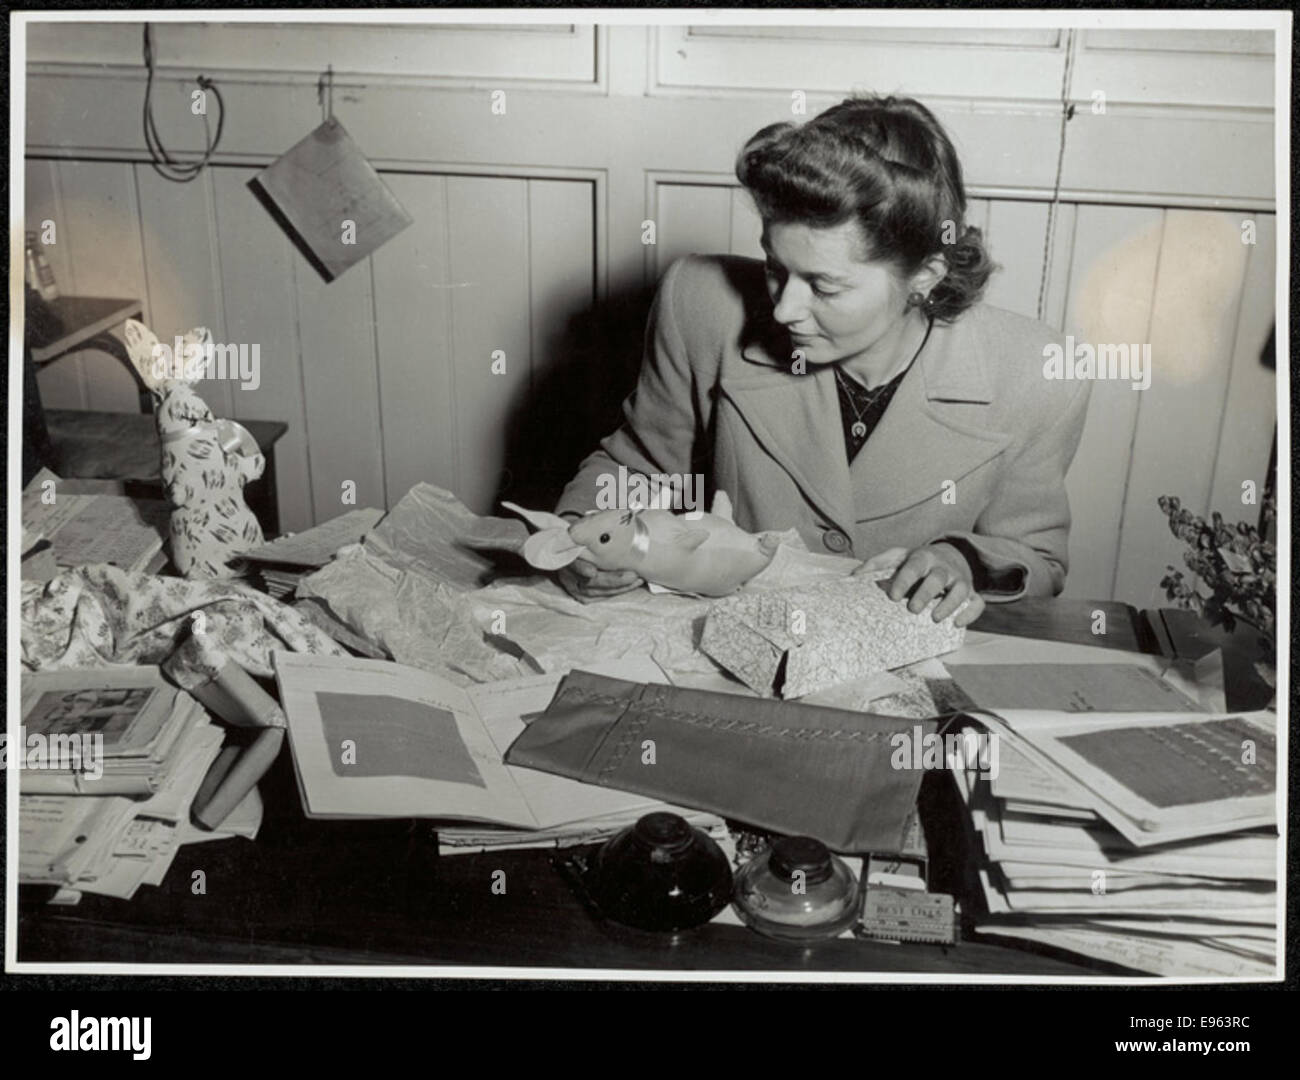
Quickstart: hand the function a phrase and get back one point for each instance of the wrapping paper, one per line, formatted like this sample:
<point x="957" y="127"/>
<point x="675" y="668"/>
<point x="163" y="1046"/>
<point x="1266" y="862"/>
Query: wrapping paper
<point x="791" y="642"/>
<point x="413" y="617"/>
<point x="792" y="768"/>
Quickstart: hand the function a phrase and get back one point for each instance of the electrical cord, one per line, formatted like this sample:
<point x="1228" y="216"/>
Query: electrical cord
<point x="166" y="166"/>
<point x="1067" y="114"/>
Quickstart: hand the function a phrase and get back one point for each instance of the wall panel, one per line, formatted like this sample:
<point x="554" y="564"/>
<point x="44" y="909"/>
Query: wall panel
<point x="101" y="213"/>
<point x="341" y="387"/>
<point x="689" y="219"/>
<point x="62" y="382"/>
<point x="488" y="242"/>
<point x="746" y="228"/>
<point x="1112" y="284"/>
<point x="413" y="289"/>
<point x="181" y="272"/>
<point x="1016" y="231"/>
<point x="1193" y="325"/>
<point x="546" y="53"/>
<point x="1249" y="423"/>
<point x="261" y="307"/>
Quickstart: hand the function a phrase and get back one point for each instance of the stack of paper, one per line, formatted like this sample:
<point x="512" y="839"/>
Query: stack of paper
<point x="1147" y="840"/>
<point x="126" y="732"/>
<point x="454" y="840"/>
<point x="281" y="564"/>
<point x="110" y="731"/>
<point x="63" y="528"/>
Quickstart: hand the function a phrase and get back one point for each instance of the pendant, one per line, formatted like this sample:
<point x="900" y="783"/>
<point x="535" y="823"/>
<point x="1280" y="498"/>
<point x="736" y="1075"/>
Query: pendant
<point x="859" y="430"/>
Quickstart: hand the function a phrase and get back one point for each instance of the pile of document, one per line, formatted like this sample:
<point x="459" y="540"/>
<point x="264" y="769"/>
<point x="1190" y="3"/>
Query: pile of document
<point x="111" y="760"/>
<point x="282" y="563"/>
<point x="118" y="731"/>
<point x="1140" y="839"/>
<point x="454" y="840"/>
<point x="68" y="523"/>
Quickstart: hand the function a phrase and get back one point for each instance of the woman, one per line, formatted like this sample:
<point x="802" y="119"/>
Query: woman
<point x="855" y="388"/>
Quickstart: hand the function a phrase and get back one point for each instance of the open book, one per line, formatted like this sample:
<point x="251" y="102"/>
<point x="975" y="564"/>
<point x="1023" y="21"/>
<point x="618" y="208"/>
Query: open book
<point x="372" y="738"/>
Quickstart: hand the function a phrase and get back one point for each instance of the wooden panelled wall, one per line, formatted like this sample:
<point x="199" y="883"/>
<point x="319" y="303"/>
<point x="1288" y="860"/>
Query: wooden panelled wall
<point x="385" y="375"/>
<point x="361" y="368"/>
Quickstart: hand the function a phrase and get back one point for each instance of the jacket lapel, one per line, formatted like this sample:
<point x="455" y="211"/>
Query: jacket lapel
<point x="921" y="442"/>
<point x="796" y="418"/>
<point x="917" y="446"/>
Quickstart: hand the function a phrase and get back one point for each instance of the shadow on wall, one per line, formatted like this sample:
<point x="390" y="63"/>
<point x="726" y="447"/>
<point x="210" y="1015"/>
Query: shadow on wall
<point x="576" y="401"/>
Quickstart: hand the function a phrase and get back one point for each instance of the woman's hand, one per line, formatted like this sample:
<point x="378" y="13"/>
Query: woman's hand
<point x="926" y="572"/>
<point x="582" y="580"/>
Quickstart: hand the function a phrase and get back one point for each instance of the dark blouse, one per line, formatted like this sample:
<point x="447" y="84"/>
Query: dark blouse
<point x="861" y="409"/>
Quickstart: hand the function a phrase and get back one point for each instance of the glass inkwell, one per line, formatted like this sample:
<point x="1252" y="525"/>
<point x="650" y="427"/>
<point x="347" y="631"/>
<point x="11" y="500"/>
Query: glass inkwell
<point x="661" y="874"/>
<point x="797" y="891"/>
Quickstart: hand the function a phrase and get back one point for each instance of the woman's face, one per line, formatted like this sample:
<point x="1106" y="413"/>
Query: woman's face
<point x="834" y="305"/>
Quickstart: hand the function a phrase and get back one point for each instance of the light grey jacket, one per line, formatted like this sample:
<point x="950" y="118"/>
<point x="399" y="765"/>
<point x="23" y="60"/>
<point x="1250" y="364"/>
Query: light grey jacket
<point x="973" y="448"/>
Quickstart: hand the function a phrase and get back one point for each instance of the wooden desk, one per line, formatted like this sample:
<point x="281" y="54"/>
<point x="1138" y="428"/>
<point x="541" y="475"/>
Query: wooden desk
<point x="124" y="446"/>
<point x="316" y="892"/>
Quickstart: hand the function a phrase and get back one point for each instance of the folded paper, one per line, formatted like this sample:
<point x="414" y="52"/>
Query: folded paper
<point x="792" y="642"/>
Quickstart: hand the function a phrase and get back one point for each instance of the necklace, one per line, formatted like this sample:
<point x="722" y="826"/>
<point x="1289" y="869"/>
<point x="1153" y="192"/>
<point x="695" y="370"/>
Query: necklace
<point x="859" y="427"/>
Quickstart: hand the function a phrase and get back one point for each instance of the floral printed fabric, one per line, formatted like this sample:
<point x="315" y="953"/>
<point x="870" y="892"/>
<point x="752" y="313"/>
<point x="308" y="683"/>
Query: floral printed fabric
<point x="95" y="615"/>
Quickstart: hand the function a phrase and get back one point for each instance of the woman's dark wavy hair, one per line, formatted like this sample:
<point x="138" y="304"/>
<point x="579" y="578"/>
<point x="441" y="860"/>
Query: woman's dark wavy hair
<point x="887" y="163"/>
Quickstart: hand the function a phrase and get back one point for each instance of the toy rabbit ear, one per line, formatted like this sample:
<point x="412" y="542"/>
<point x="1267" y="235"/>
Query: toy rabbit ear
<point x="538" y="519"/>
<point x="552" y="549"/>
<point x="141" y="344"/>
<point x="200" y="335"/>
<point x="140" y="341"/>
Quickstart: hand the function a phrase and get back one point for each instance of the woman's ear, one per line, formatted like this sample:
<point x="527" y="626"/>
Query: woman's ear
<point x="552" y="549"/>
<point x="931" y="273"/>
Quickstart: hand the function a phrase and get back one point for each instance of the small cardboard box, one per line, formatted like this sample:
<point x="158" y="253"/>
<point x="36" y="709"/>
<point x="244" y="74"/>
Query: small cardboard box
<point x="791" y="642"/>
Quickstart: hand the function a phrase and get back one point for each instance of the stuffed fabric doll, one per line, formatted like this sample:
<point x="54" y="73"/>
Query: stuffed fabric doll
<point x="205" y="461"/>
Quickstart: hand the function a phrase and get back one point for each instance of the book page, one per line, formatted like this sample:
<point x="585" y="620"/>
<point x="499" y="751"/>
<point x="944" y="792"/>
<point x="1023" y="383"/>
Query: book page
<point x="1068" y="687"/>
<point x="376" y="739"/>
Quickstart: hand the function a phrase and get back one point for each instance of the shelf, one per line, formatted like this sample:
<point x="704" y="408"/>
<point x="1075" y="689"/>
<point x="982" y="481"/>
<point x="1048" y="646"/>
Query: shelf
<point x="57" y="326"/>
